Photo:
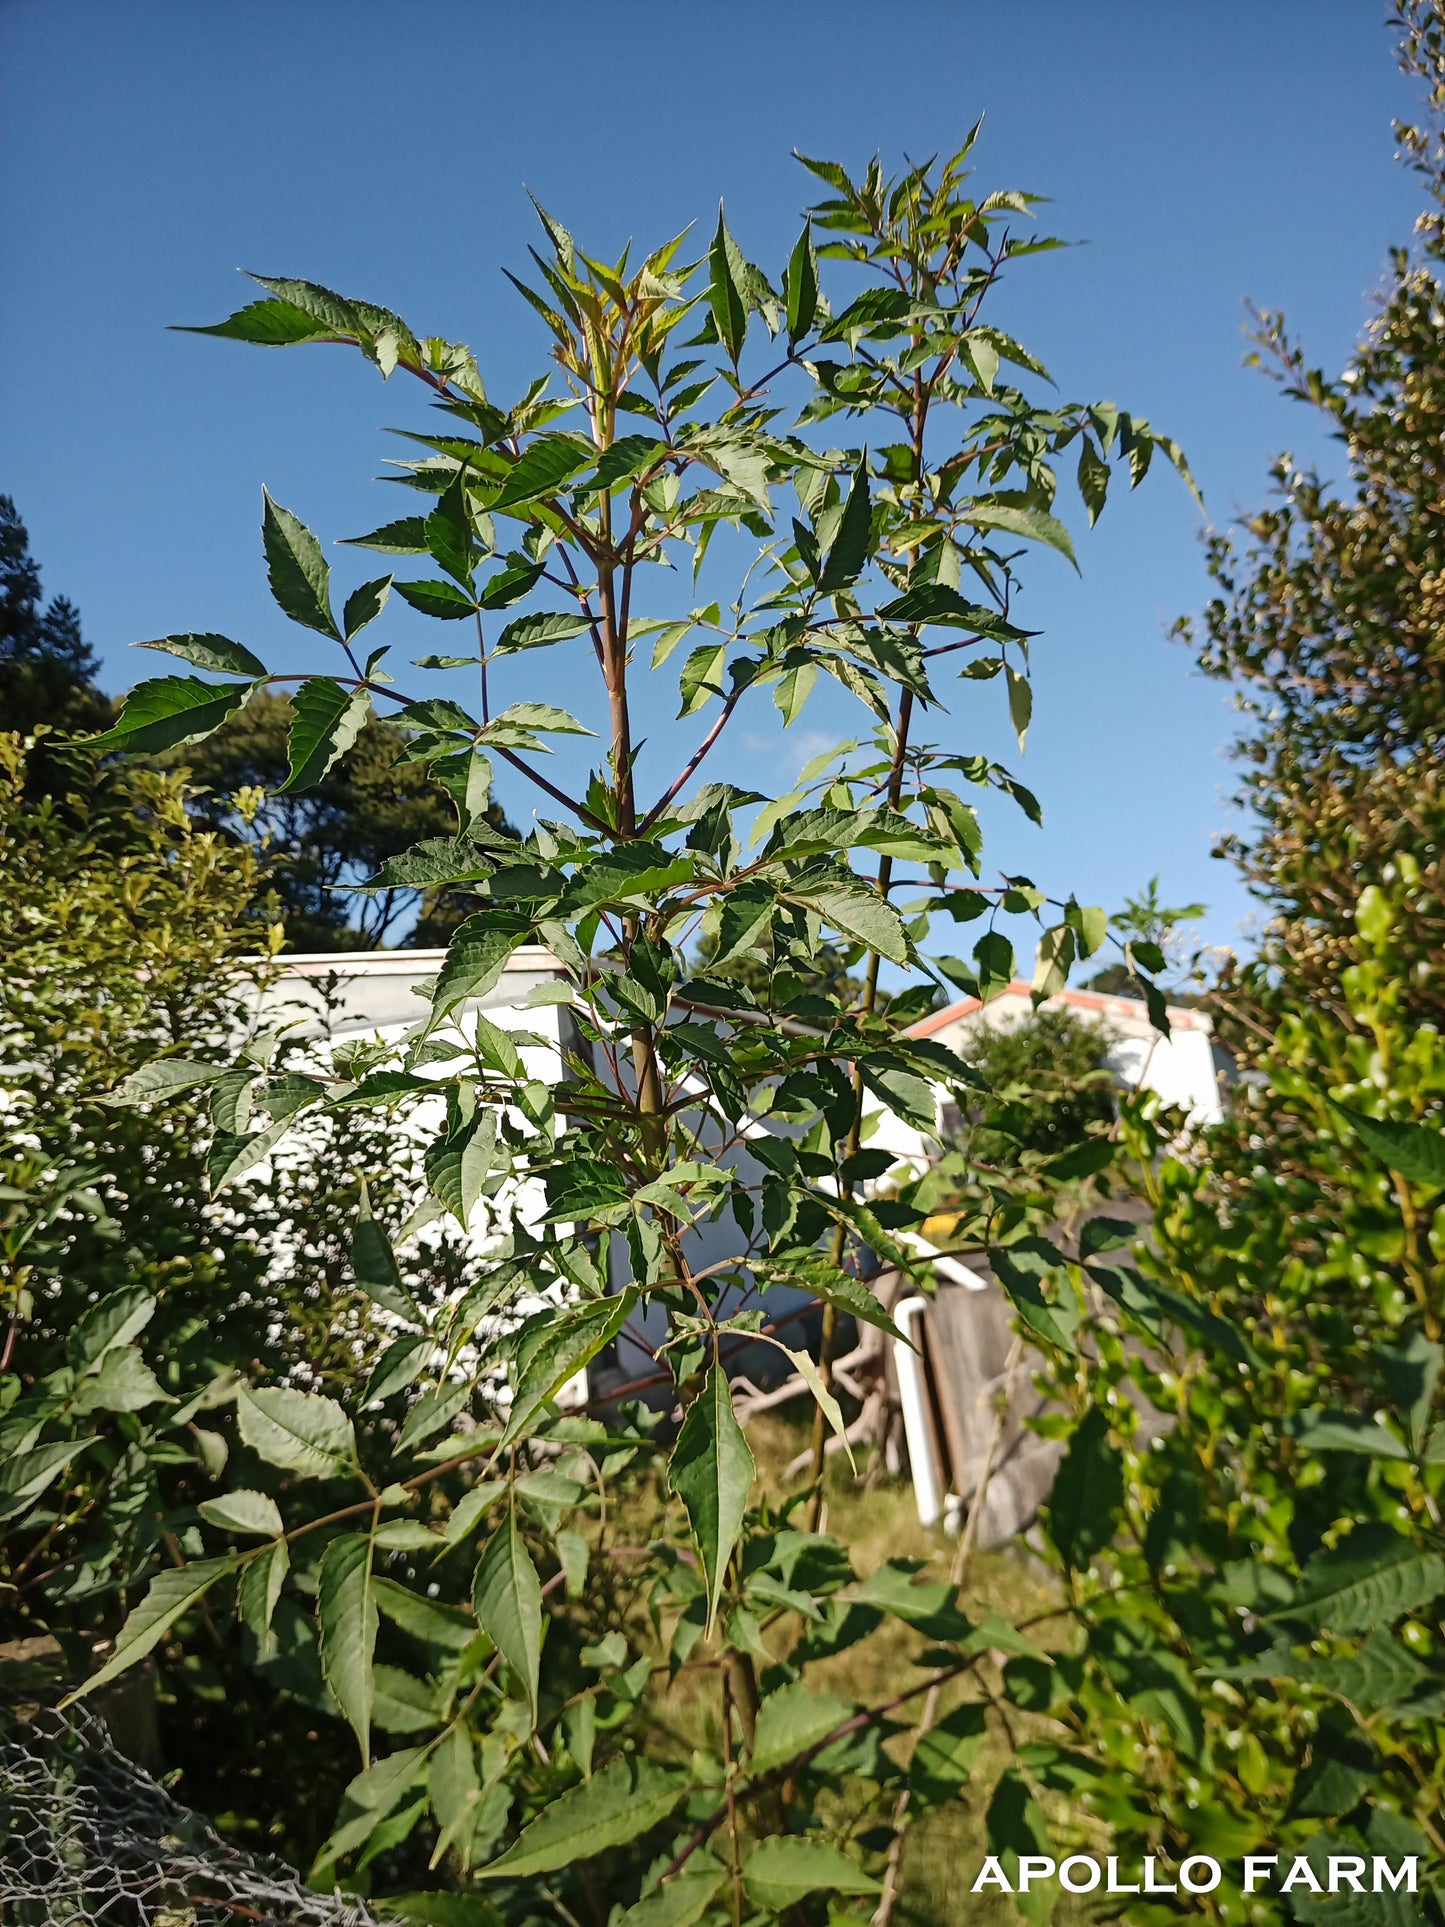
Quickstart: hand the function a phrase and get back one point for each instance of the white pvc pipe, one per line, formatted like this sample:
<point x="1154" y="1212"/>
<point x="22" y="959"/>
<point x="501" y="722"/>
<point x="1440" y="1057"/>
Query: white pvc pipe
<point x="913" y="1397"/>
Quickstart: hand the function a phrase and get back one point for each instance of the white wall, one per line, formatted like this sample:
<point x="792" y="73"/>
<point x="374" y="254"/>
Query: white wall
<point x="1180" y="1067"/>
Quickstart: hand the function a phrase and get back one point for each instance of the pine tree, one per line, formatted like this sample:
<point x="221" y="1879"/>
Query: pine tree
<point x="47" y="669"/>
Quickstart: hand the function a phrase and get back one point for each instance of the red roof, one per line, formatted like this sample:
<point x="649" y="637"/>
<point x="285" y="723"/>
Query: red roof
<point x="1076" y="999"/>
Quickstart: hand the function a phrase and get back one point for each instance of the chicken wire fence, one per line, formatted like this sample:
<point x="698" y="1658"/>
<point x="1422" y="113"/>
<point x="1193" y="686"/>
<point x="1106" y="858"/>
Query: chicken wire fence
<point x="88" y="1839"/>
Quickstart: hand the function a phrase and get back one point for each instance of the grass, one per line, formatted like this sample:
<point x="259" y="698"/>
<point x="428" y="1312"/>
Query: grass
<point x="879" y="1522"/>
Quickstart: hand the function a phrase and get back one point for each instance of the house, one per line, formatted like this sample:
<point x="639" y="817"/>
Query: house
<point x="325" y="1000"/>
<point x="948" y="1384"/>
<point x="966" y="1389"/>
<point x="349" y="993"/>
<point x="1185" y="1069"/>
<point x="329" y="998"/>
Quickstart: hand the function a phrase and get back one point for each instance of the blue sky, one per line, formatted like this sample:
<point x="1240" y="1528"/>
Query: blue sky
<point x="1203" y="154"/>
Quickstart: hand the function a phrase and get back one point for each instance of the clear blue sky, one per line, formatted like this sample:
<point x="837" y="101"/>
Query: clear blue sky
<point x="1204" y="154"/>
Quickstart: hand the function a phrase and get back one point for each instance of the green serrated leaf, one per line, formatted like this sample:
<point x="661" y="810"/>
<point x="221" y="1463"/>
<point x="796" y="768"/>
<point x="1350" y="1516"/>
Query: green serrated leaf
<point x="400" y="1365"/>
<point x="994" y="956"/>
<point x="25" y="1475"/>
<point x="712" y="1473"/>
<point x="1034" y="525"/>
<point x="616" y="1805"/>
<point x="536" y="631"/>
<point x="122" y="1382"/>
<point x="444" y="600"/>
<point x="701" y="677"/>
<point x="428" y="1620"/>
<point x="244" y="1512"/>
<point x="628" y="457"/>
<point x="299" y="574"/>
<point x="858" y="912"/>
<point x="507" y="1599"/>
<point x="793" y="691"/>
<point x="168" y="712"/>
<point x="779" y="1871"/>
<point x="1416" y="1151"/>
<point x="1020" y="703"/>
<point x="937" y="602"/>
<point x="726" y="283"/>
<point x="171" y="1593"/>
<point x="848" y="555"/>
<point x="404" y="537"/>
<point x="118" y="1318"/>
<point x="541" y="469"/>
<point x="476" y="957"/>
<point x="375" y="1266"/>
<point x="1052" y="961"/>
<point x="1349" y="1432"/>
<point x="371" y="1796"/>
<point x="259" y="1592"/>
<point x="327" y="722"/>
<point x="680" y="1902"/>
<point x="944" y="1758"/>
<point x="1015" y="1826"/>
<point x="165" y="1077"/>
<point x="232" y="1153"/>
<point x="545" y="716"/>
<point x="346" y="1616"/>
<point x="1088" y="1492"/>
<point x="300" y="1431"/>
<point x="216" y="653"/>
<point x="364" y="605"/>
<point x="571" y="1342"/>
<point x="1093" y="478"/>
<point x="1370" y="1579"/>
<point x="791" y="1721"/>
<point x="458" y="1166"/>
<point x="802" y="286"/>
<point x="807" y="1369"/>
<point x="268" y="324"/>
<point x="811" y="1271"/>
<point x="450" y="537"/>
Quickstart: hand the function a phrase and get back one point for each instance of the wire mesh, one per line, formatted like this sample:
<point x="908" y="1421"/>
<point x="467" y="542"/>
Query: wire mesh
<point x="88" y="1839"/>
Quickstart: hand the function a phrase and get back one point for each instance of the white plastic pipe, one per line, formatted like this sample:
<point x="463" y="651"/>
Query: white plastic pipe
<point x="913" y="1397"/>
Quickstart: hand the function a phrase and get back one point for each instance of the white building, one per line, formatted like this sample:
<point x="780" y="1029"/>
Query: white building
<point x="1181" y="1068"/>
<point x="381" y="993"/>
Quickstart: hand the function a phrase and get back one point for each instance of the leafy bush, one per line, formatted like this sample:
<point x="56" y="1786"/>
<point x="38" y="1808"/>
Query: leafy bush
<point x="1260" y="1590"/>
<point x="1259" y="1586"/>
<point x="1328" y="615"/>
<point x="1048" y="1083"/>
<point x="121" y="928"/>
<point x="132" y="1300"/>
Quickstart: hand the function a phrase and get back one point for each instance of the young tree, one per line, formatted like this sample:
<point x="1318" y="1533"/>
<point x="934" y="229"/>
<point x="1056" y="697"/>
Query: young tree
<point x="689" y="436"/>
